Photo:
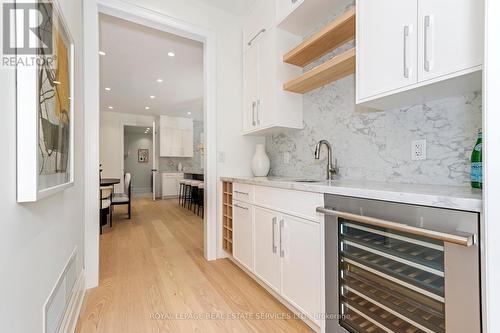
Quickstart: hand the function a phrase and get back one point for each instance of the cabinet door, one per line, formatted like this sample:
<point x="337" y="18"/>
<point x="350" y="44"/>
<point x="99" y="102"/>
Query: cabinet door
<point x="450" y="36"/>
<point x="266" y="78"/>
<point x="250" y="87"/>
<point x="243" y="234"/>
<point x="301" y="260"/>
<point x="267" y="259"/>
<point x="170" y="186"/>
<point x="187" y="143"/>
<point x="386" y="39"/>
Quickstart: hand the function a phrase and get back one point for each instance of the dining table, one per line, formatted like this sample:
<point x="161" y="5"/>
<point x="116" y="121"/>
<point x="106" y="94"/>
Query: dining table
<point x="109" y="181"/>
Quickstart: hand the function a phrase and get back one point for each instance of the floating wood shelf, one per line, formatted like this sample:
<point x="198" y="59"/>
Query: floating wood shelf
<point x="227" y="212"/>
<point x="334" y="69"/>
<point x="340" y="31"/>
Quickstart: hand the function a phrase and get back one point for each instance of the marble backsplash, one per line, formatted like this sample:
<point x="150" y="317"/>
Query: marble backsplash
<point x="190" y="164"/>
<point x="376" y="146"/>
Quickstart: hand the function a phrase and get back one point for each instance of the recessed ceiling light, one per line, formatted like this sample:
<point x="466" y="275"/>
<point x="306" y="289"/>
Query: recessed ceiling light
<point x="189" y="113"/>
<point x="152" y="97"/>
<point x="147" y="108"/>
<point x="110" y="107"/>
<point x="102" y="53"/>
<point x="159" y="80"/>
<point x="57" y="82"/>
<point x="107" y="89"/>
<point x="171" y="54"/>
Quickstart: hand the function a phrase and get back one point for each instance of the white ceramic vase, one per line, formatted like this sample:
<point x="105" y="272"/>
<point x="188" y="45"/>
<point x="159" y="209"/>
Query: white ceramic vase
<point x="260" y="162"/>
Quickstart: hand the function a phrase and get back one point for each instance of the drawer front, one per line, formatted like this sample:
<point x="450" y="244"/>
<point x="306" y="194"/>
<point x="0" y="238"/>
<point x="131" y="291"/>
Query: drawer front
<point x="296" y="203"/>
<point x="243" y="192"/>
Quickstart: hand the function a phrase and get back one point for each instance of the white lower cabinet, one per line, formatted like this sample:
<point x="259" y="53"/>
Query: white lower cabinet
<point x="280" y="242"/>
<point x="267" y="256"/>
<point x="243" y="234"/>
<point x="301" y="264"/>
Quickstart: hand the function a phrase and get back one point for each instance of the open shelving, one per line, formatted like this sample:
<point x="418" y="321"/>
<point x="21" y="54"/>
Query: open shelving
<point x="227" y="217"/>
<point x="335" y="34"/>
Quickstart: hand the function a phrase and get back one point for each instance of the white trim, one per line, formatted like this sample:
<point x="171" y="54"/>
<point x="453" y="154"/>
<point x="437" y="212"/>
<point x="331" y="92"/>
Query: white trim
<point x="490" y="228"/>
<point x="72" y="313"/>
<point x="162" y="22"/>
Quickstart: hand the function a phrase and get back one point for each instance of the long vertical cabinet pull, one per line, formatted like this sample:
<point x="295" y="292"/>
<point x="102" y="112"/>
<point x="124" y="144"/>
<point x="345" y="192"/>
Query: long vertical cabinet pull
<point x="428" y="42"/>
<point x="258" y="111"/>
<point x="406" y="35"/>
<point x="253" y="113"/>
<point x="282" y="247"/>
<point x="275" y="222"/>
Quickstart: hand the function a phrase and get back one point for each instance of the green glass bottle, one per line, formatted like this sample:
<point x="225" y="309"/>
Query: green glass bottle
<point x="476" y="174"/>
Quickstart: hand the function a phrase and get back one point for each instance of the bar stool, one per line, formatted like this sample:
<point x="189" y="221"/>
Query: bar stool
<point x="194" y="193"/>
<point x="201" y="199"/>
<point x="182" y="188"/>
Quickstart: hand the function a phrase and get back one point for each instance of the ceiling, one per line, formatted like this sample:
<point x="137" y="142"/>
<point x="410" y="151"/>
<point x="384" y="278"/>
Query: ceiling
<point x="136" y="57"/>
<point x="237" y="7"/>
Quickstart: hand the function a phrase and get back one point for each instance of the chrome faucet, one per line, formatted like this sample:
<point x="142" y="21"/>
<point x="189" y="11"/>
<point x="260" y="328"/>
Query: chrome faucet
<point x="331" y="168"/>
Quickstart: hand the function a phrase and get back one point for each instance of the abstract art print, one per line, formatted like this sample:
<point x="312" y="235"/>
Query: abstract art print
<point x="49" y="85"/>
<point x="143" y="156"/>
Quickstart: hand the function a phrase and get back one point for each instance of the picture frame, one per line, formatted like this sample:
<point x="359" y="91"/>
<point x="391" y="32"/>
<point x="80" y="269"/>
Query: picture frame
<point x="143" y="155"/>
<point x="45" y="116"/>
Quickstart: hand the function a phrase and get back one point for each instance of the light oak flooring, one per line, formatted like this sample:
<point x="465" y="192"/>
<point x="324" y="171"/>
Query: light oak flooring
<point x="153" y="265"/>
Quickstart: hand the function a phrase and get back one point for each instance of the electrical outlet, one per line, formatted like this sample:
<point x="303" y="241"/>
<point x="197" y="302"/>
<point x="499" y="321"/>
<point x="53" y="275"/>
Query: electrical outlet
<point x="419" y="150"/>
<point x="286" y="157"/>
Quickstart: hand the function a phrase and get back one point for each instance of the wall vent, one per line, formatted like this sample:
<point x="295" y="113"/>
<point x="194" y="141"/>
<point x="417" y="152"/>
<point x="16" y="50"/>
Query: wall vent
<point x="58" y="301"/>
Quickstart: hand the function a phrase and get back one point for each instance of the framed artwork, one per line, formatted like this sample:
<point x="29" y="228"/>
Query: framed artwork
<point x="143" y="155"/>
<point x="45" y="110"/>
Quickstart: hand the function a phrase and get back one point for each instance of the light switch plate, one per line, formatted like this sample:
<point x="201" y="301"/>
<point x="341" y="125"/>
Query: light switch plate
<point x="419" y="150"/>
<point x="221" y="157"/>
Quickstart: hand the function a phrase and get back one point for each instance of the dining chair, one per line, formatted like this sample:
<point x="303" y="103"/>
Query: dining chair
<point x="126" y="197"/>
<point x="105" y="207"/>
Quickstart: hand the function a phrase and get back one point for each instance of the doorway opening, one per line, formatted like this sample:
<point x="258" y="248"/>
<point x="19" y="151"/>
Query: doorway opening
<point x="111" y="129"/>
<point x="138" y="149"/>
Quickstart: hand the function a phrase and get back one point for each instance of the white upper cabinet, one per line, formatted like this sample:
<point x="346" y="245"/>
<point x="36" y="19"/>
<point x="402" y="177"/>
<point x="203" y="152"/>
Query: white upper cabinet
<point x="266" y="107"/>
<point x="411" y="51"/>
<point x="387" y="45"/>
<point x="450" y="36"/>
<point x="176" y="137"/>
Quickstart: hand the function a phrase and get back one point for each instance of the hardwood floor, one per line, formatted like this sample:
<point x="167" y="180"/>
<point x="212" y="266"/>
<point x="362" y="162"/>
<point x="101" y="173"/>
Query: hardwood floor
<point x="152" y="267"/>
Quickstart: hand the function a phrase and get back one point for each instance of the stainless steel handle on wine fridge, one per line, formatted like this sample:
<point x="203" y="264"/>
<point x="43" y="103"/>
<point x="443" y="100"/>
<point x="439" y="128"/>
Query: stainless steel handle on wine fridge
<point x="253" y="112"/>
<point x="275" y="222"/>
<point x="256" y="35"/>
<point x="464" y="240"/>
<point x="428" y="22"/>
<point x="406" y="35"/>
<point x="282" y="248"/>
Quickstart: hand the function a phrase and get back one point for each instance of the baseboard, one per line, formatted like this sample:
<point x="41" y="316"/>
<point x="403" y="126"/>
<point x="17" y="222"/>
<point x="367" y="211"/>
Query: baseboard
<point x="70" y="319"/>
<point x="283" y="301"/>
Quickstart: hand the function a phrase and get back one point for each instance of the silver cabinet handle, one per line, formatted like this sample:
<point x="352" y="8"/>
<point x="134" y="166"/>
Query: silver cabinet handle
<point x="241" y="207"/>
<point x="275" y="221"/>
<point x="406" y="35"/>
<point x="253" y="112"/>
<point x="428" y="22"/>
<point x="282" y="248"/>
<point x="464" y="240"/>
<point x="239" y="192"/>
<point x="256" y="35"/>
<point x="258" y="111"/>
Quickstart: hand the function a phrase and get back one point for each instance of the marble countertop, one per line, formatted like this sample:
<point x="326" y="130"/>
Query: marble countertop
<point x="451" y="197"/>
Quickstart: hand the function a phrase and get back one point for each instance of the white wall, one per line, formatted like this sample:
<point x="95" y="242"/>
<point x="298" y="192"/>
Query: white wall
<point x="491" y="227"/>
<point x="36" y="239"/>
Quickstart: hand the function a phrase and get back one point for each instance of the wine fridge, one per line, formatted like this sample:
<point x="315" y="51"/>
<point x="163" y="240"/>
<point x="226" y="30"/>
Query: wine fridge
<point x="395" y="268"/>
